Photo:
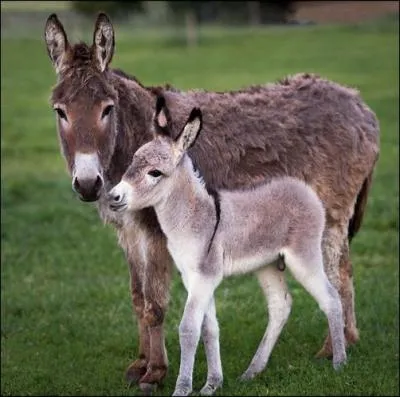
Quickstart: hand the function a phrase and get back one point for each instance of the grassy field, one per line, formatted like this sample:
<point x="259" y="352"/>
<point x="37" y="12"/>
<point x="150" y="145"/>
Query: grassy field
<point x="66" y="319"/>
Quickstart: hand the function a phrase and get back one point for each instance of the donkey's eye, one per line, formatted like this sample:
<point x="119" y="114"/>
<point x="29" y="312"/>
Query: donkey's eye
<point x="155" y="173"/>
<point x="107" y="111"/>
<point x="61" y="113"/>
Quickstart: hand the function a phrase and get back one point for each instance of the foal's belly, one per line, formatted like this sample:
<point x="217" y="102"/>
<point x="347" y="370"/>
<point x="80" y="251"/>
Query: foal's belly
<point x="249" y="263"/>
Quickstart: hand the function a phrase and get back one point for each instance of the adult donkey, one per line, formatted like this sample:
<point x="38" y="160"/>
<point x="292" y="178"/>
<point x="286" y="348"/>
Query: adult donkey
<point x="303" y="126"/>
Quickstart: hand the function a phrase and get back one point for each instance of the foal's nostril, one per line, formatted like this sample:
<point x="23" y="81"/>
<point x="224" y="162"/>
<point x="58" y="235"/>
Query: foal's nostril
<point x="117" y="198"/>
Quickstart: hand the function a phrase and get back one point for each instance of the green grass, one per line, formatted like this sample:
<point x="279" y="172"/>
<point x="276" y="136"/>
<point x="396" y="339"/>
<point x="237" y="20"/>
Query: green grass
<point x="66" y="321"/>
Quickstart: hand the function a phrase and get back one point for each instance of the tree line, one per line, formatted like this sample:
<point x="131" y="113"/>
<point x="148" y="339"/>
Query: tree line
<point x="193" y="13"/>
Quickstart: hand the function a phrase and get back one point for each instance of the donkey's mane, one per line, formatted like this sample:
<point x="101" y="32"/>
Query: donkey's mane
<point x="80" y="53"/>
<point x="156" y="90"/>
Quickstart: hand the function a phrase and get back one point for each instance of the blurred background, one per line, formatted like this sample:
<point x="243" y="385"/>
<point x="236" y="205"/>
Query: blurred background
<point x="66" y="316"/>
<point x="186" y="17"/>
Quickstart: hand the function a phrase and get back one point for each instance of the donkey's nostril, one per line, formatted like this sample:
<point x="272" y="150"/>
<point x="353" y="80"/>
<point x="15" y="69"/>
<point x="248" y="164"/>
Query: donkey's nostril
<point x="98" y="183"/>
<point x="117" y="198"/>
<point x="76" y="184"/>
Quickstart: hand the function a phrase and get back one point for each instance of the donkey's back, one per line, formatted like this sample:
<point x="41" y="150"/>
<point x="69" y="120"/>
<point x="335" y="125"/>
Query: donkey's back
<point x="287" y="128"/>
<point x="260" y="223"/>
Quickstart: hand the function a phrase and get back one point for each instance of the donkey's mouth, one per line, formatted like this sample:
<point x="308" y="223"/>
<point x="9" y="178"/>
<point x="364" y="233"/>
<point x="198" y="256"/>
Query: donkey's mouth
<point x="89" y="199"/>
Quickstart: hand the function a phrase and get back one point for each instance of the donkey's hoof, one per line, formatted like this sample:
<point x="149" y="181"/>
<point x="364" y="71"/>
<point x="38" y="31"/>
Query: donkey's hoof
<point x="210" y="387"/>
<point x="135" y="371"/>
<point x="326" y="350"/>
<point x="153" y="376"/>
<point x="147" y="388"/>
<point x="352" y="335"/>
<point x="324" y="353"/>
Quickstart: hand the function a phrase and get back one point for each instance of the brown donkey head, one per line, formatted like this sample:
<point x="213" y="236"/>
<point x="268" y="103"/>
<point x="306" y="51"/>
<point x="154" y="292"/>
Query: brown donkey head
<point x="84" y="101"/>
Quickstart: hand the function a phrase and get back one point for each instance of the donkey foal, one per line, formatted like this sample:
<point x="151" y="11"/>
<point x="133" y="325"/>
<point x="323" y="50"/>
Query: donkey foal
<point x="212" y="235"/>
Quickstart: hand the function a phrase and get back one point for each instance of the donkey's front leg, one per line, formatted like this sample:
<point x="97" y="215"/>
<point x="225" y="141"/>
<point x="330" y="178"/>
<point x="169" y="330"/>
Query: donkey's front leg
<point x="200" y="293"/>
<point x="138" y="367"/>
<point x="157" y="279"/>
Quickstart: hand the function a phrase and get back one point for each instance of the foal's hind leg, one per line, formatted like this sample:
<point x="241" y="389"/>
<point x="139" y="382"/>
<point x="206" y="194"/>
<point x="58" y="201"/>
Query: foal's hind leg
<point x="210" y="336"/>
<point x="279" y="301"/>
<point x="307" y="267"/>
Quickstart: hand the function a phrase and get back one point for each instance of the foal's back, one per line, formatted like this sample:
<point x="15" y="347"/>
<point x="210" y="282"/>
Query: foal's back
<point x="256" y="224"/>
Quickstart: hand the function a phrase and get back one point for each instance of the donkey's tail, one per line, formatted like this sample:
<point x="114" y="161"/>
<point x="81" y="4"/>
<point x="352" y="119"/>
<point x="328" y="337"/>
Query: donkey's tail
<point x="359" y="209"/>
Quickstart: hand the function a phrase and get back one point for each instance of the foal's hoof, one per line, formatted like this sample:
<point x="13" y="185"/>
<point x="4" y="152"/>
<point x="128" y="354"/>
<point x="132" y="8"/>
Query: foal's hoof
<point x="135" y="371"/>
<point x="339" y="363"/>
<point x="210" y="387"/>
<point x="182" y="391"/>
<point x="247" y="375"/>
<point x="183" y="387"/>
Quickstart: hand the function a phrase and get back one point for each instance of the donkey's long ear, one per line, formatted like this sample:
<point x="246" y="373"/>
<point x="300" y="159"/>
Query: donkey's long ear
<point x="190" y="131"/>
<point x="103" y="42"/>
<point x="56" y="41"/>
<point x="162" y="117"/>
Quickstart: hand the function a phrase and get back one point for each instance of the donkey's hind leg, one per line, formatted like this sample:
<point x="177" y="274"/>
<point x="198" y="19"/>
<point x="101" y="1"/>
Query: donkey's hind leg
<point x="273" y="283"/>
<point x="307" y="267"/>
<point x="346" y="292"/>
<point x="210" y="336"/>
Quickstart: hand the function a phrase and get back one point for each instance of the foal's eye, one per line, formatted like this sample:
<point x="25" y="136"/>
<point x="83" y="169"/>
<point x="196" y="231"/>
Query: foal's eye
<point x="155" y="173"/>
<point x="107" y="111"/>
<point x="61" y="113"/>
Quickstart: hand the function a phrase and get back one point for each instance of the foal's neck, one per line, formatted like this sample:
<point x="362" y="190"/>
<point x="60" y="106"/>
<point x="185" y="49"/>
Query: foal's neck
<point x="188" y="211"/>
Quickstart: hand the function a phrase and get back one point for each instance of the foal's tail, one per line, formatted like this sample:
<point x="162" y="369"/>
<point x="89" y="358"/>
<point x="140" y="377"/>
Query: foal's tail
<point x="359" y="209"/>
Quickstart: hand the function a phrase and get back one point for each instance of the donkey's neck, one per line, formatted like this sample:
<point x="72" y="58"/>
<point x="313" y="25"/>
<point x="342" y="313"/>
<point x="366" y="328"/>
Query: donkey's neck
<point x="134" y="115"/>
<point x="188" y="212"/>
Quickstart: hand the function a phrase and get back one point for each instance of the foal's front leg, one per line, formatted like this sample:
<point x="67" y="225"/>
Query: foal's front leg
<point x="210" y="336"/>
<point x="200" y="292"/>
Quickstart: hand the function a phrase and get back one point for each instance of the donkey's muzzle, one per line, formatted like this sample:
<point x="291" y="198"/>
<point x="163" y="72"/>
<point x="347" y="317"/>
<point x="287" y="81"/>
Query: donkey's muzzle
<point x="88" y="188"/>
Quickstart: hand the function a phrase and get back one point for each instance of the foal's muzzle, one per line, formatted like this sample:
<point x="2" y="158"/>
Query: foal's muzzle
<point x="117" y="201"/>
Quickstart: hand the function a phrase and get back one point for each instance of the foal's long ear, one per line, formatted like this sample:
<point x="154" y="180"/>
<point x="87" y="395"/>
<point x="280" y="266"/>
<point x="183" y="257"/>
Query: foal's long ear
<point x="190" y="131"/>
<point x="103" y="42"/>
<point x="162" y="117"/>
<point x="56" y="41"/>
